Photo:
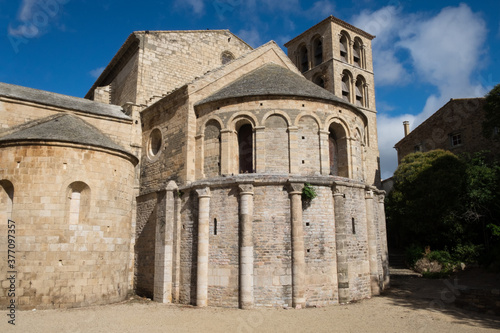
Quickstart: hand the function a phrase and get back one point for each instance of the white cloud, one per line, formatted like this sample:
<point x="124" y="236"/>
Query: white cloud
<point x="251" y="36"/>
<point x="35" y="17"/>
<point x="321" y="9"/>
<point x="287" y="6"/>
<point x="197" y="6"/>
<point x="444" y="51"/>
<point x="390" y="130"/>
<point x="96" y="72"/>
<point x="26" y="10"/>
<point x="384" y="24"/>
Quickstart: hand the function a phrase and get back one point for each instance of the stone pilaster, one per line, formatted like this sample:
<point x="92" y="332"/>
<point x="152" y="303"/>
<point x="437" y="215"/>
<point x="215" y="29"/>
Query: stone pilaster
<point x="165" y="217"/>
<point x="176" y="283"/>
<point x="225" y="152"/>
<point x="203" y="238"/>
<point x="293" y="144"/>
<point x="298" y="255"/>
<point x="246" y="247"/>
<point x="325" y="152"/>
<point x="341" y="243"/>
<point x="383" y="242"/>
<point x="260" y="149"/>
<point x="372" y="243"/>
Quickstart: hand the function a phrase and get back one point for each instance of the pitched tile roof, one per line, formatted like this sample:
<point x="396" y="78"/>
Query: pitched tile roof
<point x="63" y="128"/>
<point x="67" y="102"/>
<point x="272" y="80"/>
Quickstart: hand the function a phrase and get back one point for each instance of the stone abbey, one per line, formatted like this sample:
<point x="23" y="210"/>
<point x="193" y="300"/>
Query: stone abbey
<point x="180" y="176"/>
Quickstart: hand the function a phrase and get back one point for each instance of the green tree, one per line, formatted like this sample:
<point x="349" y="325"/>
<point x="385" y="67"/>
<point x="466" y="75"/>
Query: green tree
<point x="492" y="114"/>
<point x="446" y="202"/>
<point x="421" y="208"/>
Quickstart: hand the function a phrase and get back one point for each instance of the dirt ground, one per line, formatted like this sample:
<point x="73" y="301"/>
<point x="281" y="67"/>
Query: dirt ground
<point x="411" y="305"/>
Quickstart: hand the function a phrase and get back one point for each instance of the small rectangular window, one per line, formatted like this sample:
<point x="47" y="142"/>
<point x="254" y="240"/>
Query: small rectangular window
<point x="455" y="139"/>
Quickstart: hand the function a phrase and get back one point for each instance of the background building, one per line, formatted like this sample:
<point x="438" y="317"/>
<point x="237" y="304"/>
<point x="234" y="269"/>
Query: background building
<point x="457" y="127"/>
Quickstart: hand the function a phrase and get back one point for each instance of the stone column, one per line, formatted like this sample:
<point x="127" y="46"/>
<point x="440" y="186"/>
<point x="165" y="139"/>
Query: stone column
<point x="176" y="283"/>
<point x="165" y="217"/>
<point x="260" y="149"/>
<point x="298" y="255"/>
<point x="293" y="146"/>
<point x="225" y="152"/>
<point x="203" y="234"/>
<point x="246" y="247"/>
<point x="372" y="243"/>
<point x="383" y="241"/>
<point x="325" y="152"/>
<point x="200" y="157"/>
<point x="341" y="244"/>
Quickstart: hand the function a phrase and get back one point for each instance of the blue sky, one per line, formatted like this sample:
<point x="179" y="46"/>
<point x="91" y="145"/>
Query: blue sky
<point x="425" y="52"/>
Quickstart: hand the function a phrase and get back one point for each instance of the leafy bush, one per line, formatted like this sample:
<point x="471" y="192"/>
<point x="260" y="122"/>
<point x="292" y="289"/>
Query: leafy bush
<point x="412" y="254"/>
<point x="308" y="192"/>
<point x="468" y="253"/>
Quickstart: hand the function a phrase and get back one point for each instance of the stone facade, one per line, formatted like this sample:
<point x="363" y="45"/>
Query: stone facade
<point x="226" y="138"/>
<point x="456" y="127"/>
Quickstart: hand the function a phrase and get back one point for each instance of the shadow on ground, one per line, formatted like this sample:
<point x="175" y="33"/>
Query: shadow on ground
<point x="439" y="295"/>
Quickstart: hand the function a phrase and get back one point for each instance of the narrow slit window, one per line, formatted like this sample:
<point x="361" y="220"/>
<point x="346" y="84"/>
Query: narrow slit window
<point x="215" y="227"/>
<point x="353" y="226"/>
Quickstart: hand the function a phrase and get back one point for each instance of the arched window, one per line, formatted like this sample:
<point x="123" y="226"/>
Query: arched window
<point x="6" y="200"/>
<point x="226" y="57"/>
<point x="337" y="144"/>
<point x="211" y="149"/>
<point x="357" y="53"/>
<point x="78" y="202"/>
<point x="346" y="86"/>
<point x="318" y="79"/>
<point x="303" y="59"/>
<point x="343" y="43"/>
<point x="360" y="91"/>
<point x="245" y="149"/>
<point x="318" y="51"/>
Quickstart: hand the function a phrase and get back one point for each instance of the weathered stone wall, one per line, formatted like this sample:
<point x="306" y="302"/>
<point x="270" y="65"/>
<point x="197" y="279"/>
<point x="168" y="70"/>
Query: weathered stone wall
<point x="189" y="247"/>
<point x="359" y="269"/>
<point x="276" y="141"/>
<point x="287" y="138"/>
<point x="223" y="262"/>
<point x="170" y="59"/>
<point x="144" y="271"/>
<point x="272" y="246"/>
<point x="309" y="146"/>
<point x="464" y="116"/>
<point x="319" y="243"/>
<point x="124" y="85"/>
<point x="211" y="149"/>
<point x="169" y="162"/>
<point x="69" y="254"/>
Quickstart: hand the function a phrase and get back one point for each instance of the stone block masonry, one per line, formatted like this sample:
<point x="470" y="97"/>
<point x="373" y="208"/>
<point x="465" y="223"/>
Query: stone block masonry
<point x="250" y="241"/>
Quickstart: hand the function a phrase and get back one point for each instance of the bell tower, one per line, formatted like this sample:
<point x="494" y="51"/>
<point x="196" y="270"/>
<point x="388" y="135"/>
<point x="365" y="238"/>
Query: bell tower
<point x="338" y="57"/>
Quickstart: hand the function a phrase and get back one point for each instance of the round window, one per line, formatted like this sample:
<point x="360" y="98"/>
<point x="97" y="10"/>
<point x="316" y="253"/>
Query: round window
<point x="155" y="141"/>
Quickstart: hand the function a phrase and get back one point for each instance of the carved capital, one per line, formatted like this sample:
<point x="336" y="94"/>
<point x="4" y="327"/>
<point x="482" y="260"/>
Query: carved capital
<point x="295" y="188"/>
<point x="171" y="186"/>
<point x="369" y="194"/>
<point x="203" y="192"/>
<point x="245" y="189"/>
<point x="338" y="191"/>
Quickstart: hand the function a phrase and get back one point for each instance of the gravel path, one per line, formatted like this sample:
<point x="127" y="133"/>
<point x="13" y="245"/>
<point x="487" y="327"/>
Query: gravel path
<point x="412" y="305"/>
